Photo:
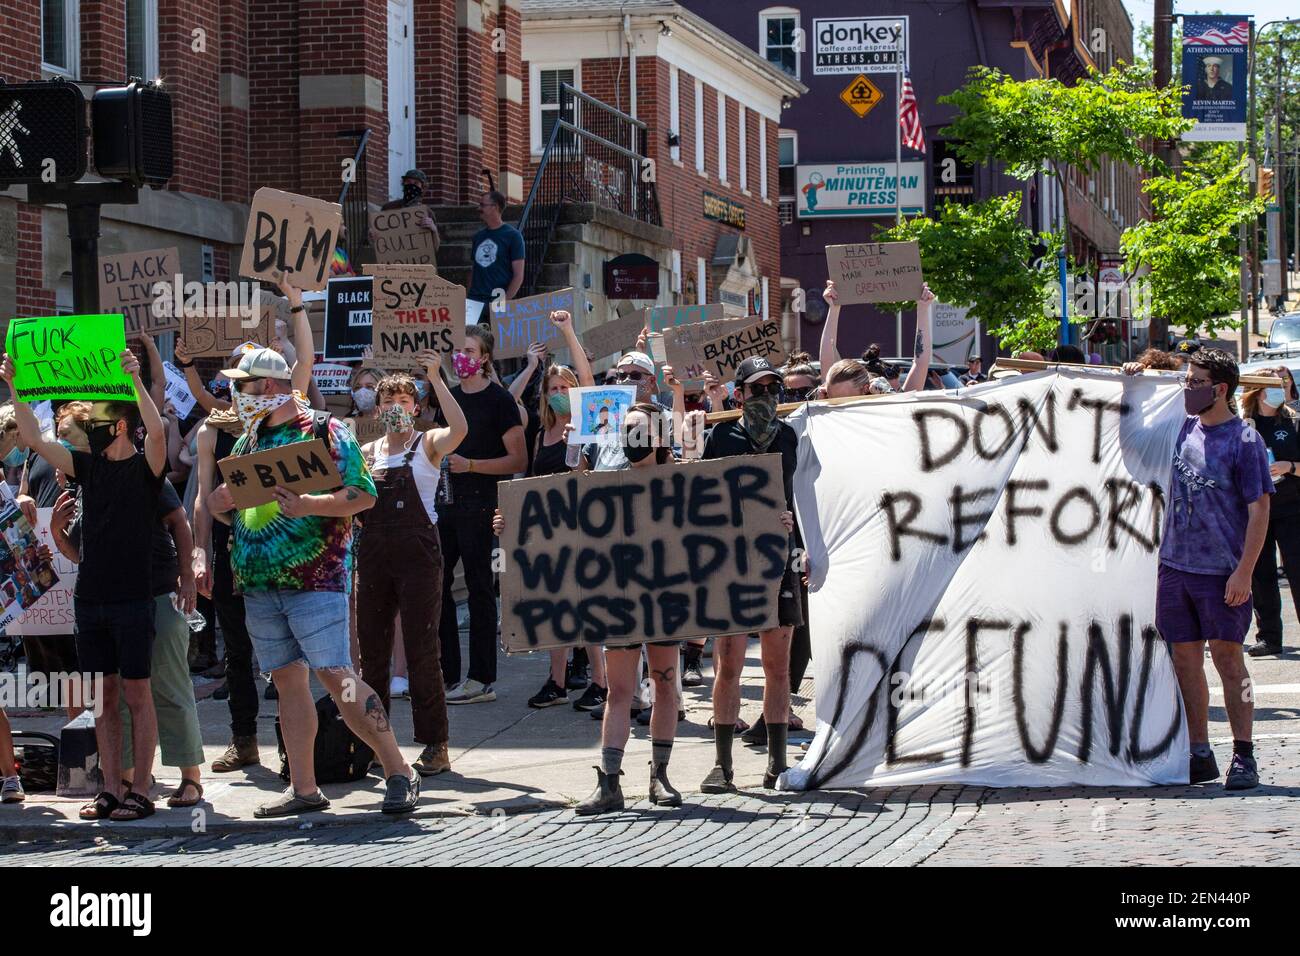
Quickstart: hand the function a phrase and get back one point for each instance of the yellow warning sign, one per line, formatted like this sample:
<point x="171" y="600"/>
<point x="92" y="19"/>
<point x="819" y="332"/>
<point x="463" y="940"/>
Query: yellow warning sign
<point x="861" y="96"/>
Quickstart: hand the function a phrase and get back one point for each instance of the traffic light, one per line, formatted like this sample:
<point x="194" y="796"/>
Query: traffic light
<point x="1265" y="184"/>
<point x="42" y="133"/>
<point x="133" y="133"/>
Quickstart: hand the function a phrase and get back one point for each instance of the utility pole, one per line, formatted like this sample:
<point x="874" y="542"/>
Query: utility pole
<point x="1253" y="167"/>
<point x="1163" y="49"/>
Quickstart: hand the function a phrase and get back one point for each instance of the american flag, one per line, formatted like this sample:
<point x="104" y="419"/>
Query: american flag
<point x="1218" y="33"/>
<point x="909" y="117"/>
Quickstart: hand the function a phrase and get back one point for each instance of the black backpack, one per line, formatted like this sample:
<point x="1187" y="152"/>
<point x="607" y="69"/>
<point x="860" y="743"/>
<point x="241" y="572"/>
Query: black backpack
<point x="341" y="756"/>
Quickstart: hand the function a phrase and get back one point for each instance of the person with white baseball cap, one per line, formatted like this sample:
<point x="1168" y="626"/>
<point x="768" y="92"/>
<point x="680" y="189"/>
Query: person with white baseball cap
<point x="292" y="560"/>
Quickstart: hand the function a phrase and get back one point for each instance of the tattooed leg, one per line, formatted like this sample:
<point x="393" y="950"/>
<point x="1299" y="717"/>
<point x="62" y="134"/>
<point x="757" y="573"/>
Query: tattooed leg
<point x="365" y="715"/>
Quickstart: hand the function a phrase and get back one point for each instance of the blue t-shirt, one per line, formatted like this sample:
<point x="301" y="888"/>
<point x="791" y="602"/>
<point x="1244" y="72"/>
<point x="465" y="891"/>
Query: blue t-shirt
<point x="1217" y="472"/>
<point x="494" y="252"/>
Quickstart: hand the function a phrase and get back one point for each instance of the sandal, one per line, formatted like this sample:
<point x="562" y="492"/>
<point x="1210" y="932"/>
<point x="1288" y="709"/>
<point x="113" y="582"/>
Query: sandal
<point x="741" y="726"/>
<point x="176" y="802"/>
<point x="134" y="806"/>
<point x="99" y="808"/>
<point x="795" y="723"/>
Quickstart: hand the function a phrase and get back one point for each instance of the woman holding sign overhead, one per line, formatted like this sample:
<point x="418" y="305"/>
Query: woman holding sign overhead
<point x="852" y="377"/>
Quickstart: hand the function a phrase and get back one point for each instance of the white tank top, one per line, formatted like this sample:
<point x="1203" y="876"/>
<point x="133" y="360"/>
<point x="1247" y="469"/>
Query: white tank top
<point x="426" y="475"/>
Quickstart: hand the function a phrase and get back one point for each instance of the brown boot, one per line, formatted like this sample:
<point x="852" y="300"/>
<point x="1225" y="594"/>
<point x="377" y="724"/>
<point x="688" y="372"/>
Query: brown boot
<point x="242" y="752"/>
<point x="433" y="760"/>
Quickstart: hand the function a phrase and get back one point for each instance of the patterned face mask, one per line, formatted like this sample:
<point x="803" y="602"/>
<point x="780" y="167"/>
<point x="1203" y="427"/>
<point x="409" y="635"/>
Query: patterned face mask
<point x="251" y="409"/>
<point x="395" y="418"/>
<point x="465" y="366"/>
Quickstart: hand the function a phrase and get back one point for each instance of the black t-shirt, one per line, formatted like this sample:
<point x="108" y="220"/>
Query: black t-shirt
<point x="549" y="459"/>
<point x="490" y="413"/>
<point x="165" y="565"/>
<point x="1280" y="435"/>
<point x="225" y="444"/>
<point x="119" y="515"/>
<point x="730" y="438"/>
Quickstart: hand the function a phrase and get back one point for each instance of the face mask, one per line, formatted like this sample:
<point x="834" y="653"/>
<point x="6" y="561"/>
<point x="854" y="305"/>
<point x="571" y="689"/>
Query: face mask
<point x="253" y="408"/>
<point x="100" y="437"/>
<point x="1199" y="399"/>
<point x="465" y="366"/>
<point x="1275" y="397"/>
<point x="15" y="457"/>
<point x="638" y="451"/>
<point x="759" y="418"/>
<point x="364" y="398"/>
<point x="559" y="403"/>
<point x="395" y="418"/>
<point x="421" y="389"/>
<point x="411" y="191"/>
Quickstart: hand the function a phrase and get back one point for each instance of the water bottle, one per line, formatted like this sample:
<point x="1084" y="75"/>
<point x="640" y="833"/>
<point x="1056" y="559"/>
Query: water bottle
<point x="573" y="455"/>
<point x="443" y="496"/>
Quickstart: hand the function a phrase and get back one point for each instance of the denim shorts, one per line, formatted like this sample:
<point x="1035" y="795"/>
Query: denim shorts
<point x="291" y="626"/>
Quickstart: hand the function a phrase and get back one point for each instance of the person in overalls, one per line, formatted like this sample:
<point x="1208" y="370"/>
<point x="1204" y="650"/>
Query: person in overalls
<point x="399" y="560"/>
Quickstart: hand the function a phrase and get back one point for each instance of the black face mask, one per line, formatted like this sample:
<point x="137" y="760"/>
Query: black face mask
<point x="638" y="452"/>
<point x="412" y="191"/>
<point x="100" y="437"/>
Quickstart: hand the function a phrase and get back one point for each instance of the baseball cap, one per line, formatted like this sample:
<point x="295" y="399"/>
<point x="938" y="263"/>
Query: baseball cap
<point x="638" y="359"/>
<point x="259" y="363"/>
<point x="754" y="368"/>
<point x="416" y="174"/>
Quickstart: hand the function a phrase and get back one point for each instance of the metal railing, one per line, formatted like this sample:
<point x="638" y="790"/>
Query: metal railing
<point x="598" y="156"/>
<point x="356" y="210"/>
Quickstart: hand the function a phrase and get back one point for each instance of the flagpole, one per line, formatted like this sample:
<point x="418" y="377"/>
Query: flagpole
<point x="898" y="164"/>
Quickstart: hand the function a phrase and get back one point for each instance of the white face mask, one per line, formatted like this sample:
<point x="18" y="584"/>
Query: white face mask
<point x="365" y="399"/>
<point x="253" y="408"/>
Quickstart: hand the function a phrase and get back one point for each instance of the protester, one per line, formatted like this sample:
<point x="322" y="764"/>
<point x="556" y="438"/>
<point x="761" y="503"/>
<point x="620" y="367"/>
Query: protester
<point x="114" y="603"/>
<point x="1156" y="360"/>
<point x="1269" y="412"/>
<point x="638" y="370"/>
<point x="292" y="561"/>
<point x="798" y="376"/>
<point x="399" y="559"/>
<point x="973" y="375"/>
<point x="1217" y="522"/>
<point x="758" y="431"/>
<point x="858" y="379"/>
<point x="493" y="449"/>
<point x="364" y="385"/>
<point x="414" y="183"/>
<point x="498" y="253"/>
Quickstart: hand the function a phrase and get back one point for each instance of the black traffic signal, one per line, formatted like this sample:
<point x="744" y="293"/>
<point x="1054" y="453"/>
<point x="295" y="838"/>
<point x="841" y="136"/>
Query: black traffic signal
<point x="42" y="133"/>
<point x="133" y="133"/>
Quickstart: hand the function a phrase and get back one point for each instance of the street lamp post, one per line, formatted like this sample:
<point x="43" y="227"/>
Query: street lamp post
<point x="1256" y="36"/>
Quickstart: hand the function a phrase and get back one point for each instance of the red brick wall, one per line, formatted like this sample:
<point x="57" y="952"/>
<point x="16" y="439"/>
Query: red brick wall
<point x="235" y="127"/>
<point x="475" y="80"/>
<point x="20" y="60"/>
<point x="436" y="151"/>
<point x="512" y="118"/>
<point x="274" y="133"/>
<point x="192" y="78"/>
<point x="103" y="50"/>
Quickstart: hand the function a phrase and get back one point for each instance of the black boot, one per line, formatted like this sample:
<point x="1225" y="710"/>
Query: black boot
<point x="606" y="798"/>
<point x="662" y="793"/>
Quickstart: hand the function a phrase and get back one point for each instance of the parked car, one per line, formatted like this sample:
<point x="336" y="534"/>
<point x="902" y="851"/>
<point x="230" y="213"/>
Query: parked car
<point x="947" y="373"/>
<point x="1284" y="331"/>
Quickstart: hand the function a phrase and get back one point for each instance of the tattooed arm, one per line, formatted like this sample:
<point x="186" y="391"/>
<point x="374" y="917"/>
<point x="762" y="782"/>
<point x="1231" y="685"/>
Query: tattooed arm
<point x="924" y="327"/>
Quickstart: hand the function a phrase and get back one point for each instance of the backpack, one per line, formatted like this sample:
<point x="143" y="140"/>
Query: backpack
<point x="341" y="756"/>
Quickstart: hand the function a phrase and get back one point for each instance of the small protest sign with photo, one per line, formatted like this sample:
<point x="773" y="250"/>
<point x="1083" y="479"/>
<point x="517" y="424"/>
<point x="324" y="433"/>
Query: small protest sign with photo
<point x="53" y="613"/>
<point x="348" y="322"/>
<point x="290" y="235"/>
<point x="397" y="235"/>
<point x="218" y="330"/>
<point x="69" y="356"/>
<point x="24" y="575"/>
<point x="412" y="309"/>
<point x="599" y="411"/>
<point x="875" y="271"/>
<point x="704" y="541"/>
<point x="518" y="323"/>
<point x="723" y="355"/>
<point x="302" y="467"/>
<point x="126" y="285"/>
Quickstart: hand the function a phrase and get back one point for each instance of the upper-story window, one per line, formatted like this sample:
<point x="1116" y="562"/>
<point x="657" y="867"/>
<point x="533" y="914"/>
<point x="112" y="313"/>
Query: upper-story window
<point x="61" y="37"/>
<point x="142" y="38"/>
<point x="544" y="92"/>
<point x="780" y="39"/>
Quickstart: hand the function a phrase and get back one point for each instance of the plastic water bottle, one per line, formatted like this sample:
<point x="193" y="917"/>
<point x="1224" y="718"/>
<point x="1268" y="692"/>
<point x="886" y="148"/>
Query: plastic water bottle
<point x="195" y="620"/>
<point x="443" y="495"/>
<point x="573" y="455"/>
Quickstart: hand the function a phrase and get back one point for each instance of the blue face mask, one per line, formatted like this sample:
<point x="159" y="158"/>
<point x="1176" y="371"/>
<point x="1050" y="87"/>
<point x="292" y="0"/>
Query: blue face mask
<point x="421" y="389"/>
<point x="15" y="457"/>
<point x="1275" y="397"/>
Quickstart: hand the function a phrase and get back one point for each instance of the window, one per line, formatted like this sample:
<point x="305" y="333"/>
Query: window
<point x="779" y="38"/>
<point x="744" y="150"/>
<point x="142" y="38"/>
<point x="702" y="285"/>
<point x="722" y="137"/>
<point x="544" y="96"/>
<point x="61" y="37"/>
<point x="787" y="159"/>
<point x="699" y="125"/>
<point x="675" y="112"/>
<point x="762" y="157"/>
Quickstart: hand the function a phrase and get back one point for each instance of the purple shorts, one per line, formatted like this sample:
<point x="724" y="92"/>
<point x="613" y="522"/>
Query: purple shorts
<point x="1190" y="607"/>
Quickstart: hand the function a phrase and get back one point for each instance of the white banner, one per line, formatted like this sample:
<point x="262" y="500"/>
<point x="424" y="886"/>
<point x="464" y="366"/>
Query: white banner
<point x="982" y="589"/>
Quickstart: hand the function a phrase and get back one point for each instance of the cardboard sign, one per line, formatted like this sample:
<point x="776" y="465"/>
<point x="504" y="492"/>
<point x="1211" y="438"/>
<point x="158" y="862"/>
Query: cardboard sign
<point x="218" y="331"/>
<point x="126" y="284"/>
<point x="69" y="356"/>
<point x="398" y="236"/>
<point x="301" y="466"/>
<point x="53" y="613"/>
<point x="669" y="316"/>
<point x="348" y="322"/>
<point x="723" y="355"/>
<point x="599" y="411"/>
<point x="683" y="346"/>
<point x="290" y="234"/>
<point x="875" y="271"/>
<point x="617" y="335"/>
<point x="178" y="391"/>
<point x="518" y="323"/>
<point x="670" y="552"/>
<point x="331" y="378"/>
<point x="412" y="310"/>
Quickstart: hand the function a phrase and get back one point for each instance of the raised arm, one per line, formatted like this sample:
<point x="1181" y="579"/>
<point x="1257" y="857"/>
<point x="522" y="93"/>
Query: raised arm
<point x="155" y="432"/>
<point x="207" y="401"/>
<point x="829" y="353"/>
<point x="443" y="441"/>
<point x="536" y="353"/>
<point x="158" y="390"/>
<point x="577" y="353"/>
<point x="303" y="343"/>
<point x="679" y="399"/>
<point x="29" y="429"/>
<point x="205" y="452"/>
<point x="915" y="380"/>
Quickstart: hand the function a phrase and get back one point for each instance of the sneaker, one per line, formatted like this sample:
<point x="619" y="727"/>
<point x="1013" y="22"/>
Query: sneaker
<point x="241" y="753"/>
<point x="550" y="695"/>
<point x="1203" y="769"/>
<point x="11" y="790"/>
<point x="593" y="697"/>
<point x="1264" y="649"/>
<point x="472" y="692"/>
<point x="1243" y="773"/>
<point x="598" y="712"/>
<point x="433" y="760"/>
<point x="576" y="676"/>
<point x="401" y="793"/>
<point x="691" y="676"/>
<point x="399" y="687"/>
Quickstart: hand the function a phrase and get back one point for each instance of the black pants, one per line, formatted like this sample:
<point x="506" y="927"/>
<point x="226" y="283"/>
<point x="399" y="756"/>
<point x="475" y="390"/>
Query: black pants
<point x="239" y="650"/>
<point x="465" y="527"/>
<point x="1283" y="535"/>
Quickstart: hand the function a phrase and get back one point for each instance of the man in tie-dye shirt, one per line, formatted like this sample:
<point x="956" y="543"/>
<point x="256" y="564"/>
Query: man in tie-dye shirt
<point x="292" y="561"/>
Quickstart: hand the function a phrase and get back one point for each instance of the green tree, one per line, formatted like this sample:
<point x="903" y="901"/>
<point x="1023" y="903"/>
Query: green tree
<point x="1190" y="247"/>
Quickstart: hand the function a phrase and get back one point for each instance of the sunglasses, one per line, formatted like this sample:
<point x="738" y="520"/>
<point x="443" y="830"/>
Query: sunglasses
<point x="765" y="388"/>
<point x="631" y="376"/>
<point x="797" y="394"/>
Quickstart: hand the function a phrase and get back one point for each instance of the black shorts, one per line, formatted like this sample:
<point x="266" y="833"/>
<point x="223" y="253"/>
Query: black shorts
<point x="638" y="646"/>
<point x="115" y="637"/>
<point x="51" y="653"/>
<point x="789" y="605"/>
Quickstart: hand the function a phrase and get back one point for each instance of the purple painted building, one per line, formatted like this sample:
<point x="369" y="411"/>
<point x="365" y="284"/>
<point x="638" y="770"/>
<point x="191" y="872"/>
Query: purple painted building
<point x="837" y="142"/>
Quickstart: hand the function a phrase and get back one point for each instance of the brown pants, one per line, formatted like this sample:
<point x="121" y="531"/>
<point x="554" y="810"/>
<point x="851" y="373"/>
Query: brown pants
<point x="399" y="571"/>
